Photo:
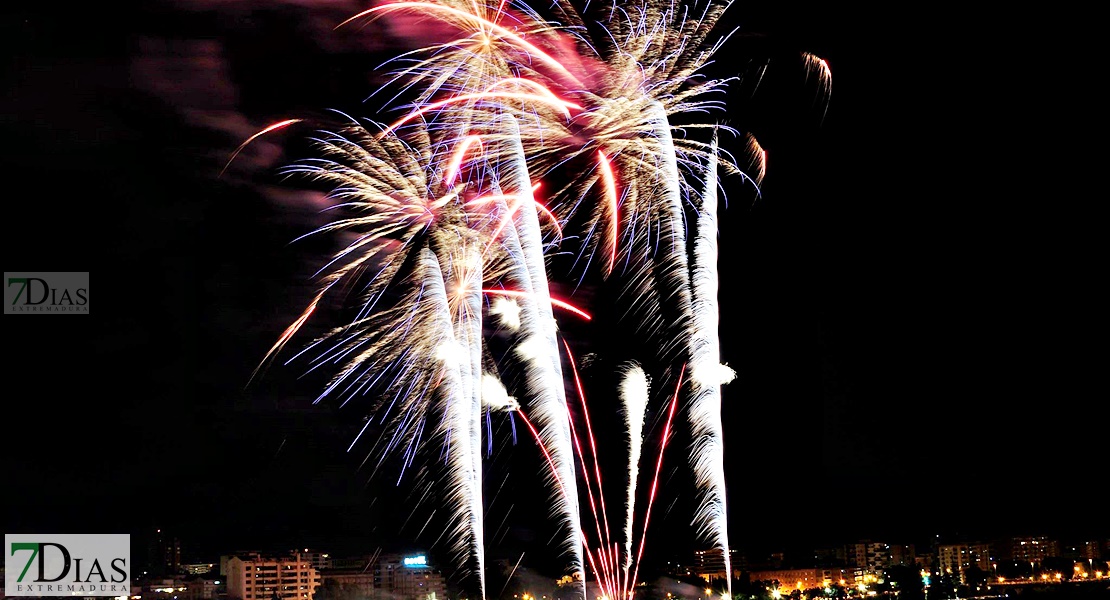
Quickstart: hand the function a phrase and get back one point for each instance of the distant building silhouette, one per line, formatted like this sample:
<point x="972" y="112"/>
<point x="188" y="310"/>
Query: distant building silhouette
<point x="197" y="568"/>
<point x="710" y="564"/>
<point x="1032" y="549"/>
<point x="872" y="558"/>
<point x="956" y="559"/>
<point x="181" y="588"/>
<point x="348" y="579"/>
<point x="836" y="556"/>
<point x="1090" y="549"/>
<point x="163" y="554"/>
<point x="317" y="559"/>
<point x="789" y="580"/>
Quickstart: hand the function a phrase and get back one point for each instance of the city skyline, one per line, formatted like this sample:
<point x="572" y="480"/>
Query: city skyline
<point x="907" y="314"/>
<point x="164" y="547"/>
<point x="1008" y="554"/>
<point x="948" y="569"/>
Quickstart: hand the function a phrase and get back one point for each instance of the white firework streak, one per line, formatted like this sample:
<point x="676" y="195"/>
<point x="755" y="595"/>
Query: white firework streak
<point x="549" y="409"/>
<point x="695" y="298"/>
<point x="707" y="452"/>
<point x="674" y="274"/>
<point x="464" y="488"/>
<point x="468" y="328"/>
<point x="634" y="398"/>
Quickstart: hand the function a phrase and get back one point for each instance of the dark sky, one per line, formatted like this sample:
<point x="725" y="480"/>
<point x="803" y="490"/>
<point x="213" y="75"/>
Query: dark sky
<point x="911" y="305"/>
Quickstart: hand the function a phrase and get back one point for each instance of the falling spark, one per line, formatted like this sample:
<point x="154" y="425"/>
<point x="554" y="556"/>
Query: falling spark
<point x="756" y="151"/>
<point x="269" y="129"/>
<point x="818" y="65"/>
<point x="610" y="184"/>
<point x="553" y="301"/>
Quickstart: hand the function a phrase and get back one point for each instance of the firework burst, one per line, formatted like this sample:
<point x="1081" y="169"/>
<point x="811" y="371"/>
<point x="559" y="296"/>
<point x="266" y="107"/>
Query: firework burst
<point x="439" y="213"/>
<point x="418" y="251"/>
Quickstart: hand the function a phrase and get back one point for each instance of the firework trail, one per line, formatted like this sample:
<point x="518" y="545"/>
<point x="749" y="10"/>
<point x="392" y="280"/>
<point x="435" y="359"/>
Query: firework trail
<point x="420" y="256"/>
<point x="759" y="156"/>
<point x="511" y="573"/>
<point x="457" y="426"/>
<point x="818" y="65"/>
<point x="707" y="376"/>
<point x="651" y="165"/>
<point x="628" y="592"/>
<point x="612" y="577"/>
<point x="539" y="346"/>
<point x="468" y="332"/>
<point x="634" y="395"/>
<point x="671" y="263"/>
<point x="605" y="567"/>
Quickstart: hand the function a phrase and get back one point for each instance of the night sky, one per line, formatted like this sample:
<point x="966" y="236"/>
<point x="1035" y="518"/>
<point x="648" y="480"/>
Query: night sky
<point x="912" y="305"/>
